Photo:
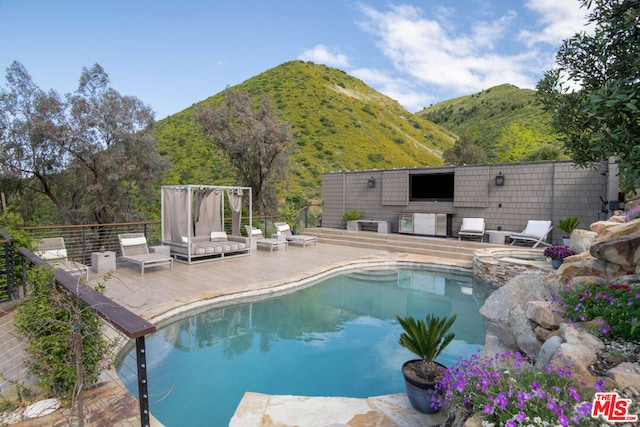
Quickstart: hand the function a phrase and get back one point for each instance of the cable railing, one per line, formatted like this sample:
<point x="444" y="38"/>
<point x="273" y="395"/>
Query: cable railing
<point x="119" y="324"/>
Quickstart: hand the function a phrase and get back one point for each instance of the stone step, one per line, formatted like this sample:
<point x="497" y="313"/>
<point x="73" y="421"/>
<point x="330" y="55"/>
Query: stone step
<point x="394" y="242"/>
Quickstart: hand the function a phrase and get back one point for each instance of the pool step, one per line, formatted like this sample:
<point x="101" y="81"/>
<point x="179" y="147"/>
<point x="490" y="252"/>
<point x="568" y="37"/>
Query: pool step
<point x="394" y="242"/>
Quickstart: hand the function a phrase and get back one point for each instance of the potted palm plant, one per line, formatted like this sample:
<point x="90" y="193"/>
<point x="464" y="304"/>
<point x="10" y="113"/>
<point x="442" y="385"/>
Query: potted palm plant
<point x="427" y="339"/>
<point x="568" y="224"/>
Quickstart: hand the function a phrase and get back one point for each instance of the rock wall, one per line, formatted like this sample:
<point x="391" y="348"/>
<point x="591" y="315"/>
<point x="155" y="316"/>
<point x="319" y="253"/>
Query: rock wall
<point x="520" y="315"/>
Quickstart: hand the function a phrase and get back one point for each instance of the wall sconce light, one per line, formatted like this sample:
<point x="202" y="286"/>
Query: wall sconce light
<point x="371" y="183"/>
<point x="499" y="180"/>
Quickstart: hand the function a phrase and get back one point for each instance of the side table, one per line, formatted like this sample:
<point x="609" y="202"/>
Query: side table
<point x="101" y="262"/>
<point x="160" y="249"/>
<point x="498" y="236"/>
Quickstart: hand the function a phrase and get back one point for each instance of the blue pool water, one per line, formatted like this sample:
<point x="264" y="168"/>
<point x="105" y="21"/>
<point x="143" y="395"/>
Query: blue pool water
<point x="337" y="338"/>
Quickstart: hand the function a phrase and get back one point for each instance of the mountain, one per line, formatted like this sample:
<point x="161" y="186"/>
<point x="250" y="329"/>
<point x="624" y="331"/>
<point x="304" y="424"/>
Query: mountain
<point x="341" y="123"/>
<point x="506" y="121"/>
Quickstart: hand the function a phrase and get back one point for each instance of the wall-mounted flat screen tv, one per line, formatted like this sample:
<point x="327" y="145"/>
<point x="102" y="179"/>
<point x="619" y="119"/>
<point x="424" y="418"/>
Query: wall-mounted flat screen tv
<point x="435" y="187"/>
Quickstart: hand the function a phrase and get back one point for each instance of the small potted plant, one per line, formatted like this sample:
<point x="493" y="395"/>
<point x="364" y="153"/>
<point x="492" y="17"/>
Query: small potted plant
<point x="568" y="224"/>
<point x="427" y="339"/>
<point x="557" y="253"/>
<point x="351" y="217"/>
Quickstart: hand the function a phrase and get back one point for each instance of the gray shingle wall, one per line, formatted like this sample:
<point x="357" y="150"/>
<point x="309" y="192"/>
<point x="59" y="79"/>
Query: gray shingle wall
<point x="538" y="190"/>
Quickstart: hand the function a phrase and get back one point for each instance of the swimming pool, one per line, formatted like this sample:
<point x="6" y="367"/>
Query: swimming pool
<point x="336" y="338"/>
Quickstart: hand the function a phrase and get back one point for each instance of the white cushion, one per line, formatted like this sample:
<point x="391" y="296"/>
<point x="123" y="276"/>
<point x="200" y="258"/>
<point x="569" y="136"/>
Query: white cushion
<point x="218" y="236"/>
<point x="472" y="225"/>
<point x="537" y="228"/>
<point x="52" y="254"/>
<point x="133" y="241"/>
<point x="283" y="227"/>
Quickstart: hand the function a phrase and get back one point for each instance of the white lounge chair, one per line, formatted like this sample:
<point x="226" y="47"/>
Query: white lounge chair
<point x="283" y="229"/>
<point x="536" y="232"/>
<point x="263" y="242"/>
<point x="472" y="227"/>
<point x="53" y="250"/>
<point x="134" y="248"/>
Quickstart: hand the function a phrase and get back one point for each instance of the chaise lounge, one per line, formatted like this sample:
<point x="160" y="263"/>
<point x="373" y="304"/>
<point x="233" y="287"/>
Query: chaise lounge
<point x="53" y="251"/>
<point x="284" y="230"/>
<point x="262" y="242"/>
<point x="134" y="249"/>
<point x="536" y="231"/>
<point x="472" y="227"/>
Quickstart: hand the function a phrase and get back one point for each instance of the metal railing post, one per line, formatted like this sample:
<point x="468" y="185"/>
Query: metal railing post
<point x="10" y="271"/>
<point x="143" y="393"/>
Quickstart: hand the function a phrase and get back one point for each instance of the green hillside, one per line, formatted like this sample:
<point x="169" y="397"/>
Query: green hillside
<point x="341" y="123"/>
<point x="506" y="121"/>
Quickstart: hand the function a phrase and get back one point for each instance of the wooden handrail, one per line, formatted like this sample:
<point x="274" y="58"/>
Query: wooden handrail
<point x="127" y="322"/>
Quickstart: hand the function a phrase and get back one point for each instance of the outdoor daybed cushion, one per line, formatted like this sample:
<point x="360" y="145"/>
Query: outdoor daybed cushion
<point x="217" y="243"/>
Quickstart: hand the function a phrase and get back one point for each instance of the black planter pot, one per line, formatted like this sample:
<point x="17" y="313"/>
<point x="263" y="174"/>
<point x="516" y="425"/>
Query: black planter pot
<point x="421" y="393"/>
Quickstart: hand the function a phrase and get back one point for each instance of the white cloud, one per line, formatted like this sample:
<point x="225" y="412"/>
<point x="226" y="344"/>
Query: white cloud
<point x="436" y="54"/>
<point x="320" y="54"/>
<point x="558" y="21"/>
<point x="405" y="92"/>
<point x="446" y="55"/>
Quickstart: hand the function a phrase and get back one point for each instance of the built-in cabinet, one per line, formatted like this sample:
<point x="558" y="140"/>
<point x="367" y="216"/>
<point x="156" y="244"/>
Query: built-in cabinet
<point x="436" y="224"/>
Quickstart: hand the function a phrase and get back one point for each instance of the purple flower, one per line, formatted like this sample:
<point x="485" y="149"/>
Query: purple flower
<point x="632" y="214"/>
<point x="558" y="252"/>
<point x="584" y="410"/>
<point x="563" y="420"/>
<point x="488" y="409"/>
<point x="521" y="416"/>
<point x="535" y="385"/>
<point x="598" y="385"/>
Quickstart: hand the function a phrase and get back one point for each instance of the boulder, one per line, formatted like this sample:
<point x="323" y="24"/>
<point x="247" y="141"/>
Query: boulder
<point x="504" y="311"/>
<point x="622" y="250"/>
<point x="577" y="358"/>
<point x="626" y="375"/>
<point x="600" y="226"/>
<point x="543" y="314"/>
<point x="581" y="240"/>
<point x="575" y="335"/>
<point x="492" y="346"/>
<point x="541" y="333"/>
<point x="586" y="265"/>
<point x="548" y="349"/>
<point x="618" y="229"/>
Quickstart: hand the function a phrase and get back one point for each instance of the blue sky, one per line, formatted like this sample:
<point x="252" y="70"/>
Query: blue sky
<point x="174" y="53"/>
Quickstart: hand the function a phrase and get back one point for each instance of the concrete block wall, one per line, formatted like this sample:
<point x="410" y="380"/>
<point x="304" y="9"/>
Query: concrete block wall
<point x="535" y="190"/>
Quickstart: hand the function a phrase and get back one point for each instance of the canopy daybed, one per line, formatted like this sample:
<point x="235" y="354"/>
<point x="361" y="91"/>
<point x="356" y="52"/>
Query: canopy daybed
<point x="193" y="222"/>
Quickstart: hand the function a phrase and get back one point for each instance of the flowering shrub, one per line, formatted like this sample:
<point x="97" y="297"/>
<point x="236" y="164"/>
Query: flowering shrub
<point x="617" y="306"/>
<point x="633" y="213"/>
<point x="558" y="252"/>
<point x="509" y="391"/>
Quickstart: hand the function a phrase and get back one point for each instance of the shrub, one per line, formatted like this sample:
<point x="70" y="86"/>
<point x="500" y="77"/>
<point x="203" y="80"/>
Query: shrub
<point x="352" y="215"/>
<point x="507" y="390"/>
<point x="616" y="305"/>
<point x="52" y="320"/>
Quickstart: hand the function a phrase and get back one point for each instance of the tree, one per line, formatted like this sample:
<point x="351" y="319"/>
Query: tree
<point x="464" y="152"/>
<point x="255" y="140"/>
<point x="601" y="119"/>
<point x="91" y="153"/>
